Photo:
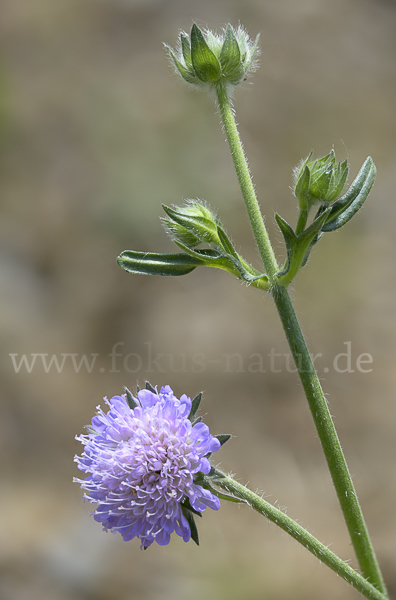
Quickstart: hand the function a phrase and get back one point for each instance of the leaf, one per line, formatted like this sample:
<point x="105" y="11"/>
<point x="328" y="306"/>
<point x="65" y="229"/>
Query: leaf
<point x="225" y="242"/>
<point x="150" y="263"/>
<point x="347" y="206"/>
<point x="298" y="246"/>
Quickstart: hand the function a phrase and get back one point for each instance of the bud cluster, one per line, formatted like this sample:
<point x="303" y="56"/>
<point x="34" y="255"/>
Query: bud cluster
<point x="321" y="180"/>
<point x="207" y="58"/>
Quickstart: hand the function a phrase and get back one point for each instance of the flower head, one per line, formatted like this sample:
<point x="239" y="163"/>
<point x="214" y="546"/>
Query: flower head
<point x="142" y="458"/>
<point x="207" y="58"/>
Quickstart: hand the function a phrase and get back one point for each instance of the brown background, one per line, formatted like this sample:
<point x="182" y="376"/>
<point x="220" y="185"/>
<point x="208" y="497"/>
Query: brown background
<point x="96" y="132"/>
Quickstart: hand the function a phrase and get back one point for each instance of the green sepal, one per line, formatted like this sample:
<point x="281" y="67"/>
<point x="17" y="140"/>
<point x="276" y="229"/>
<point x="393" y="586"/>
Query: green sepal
<point x="301" y="190"/>
<point x="186" y="504"/>
<point x="195" y="406"/>
<point x="186" y="50"/>
<point x="150" y="388"/>
<point x="205" y="63"/>
<point x="253" y="53"/>
<point x="298" y="246"/>
<point x="230" y="57"/>
<point x="348" y="205"/>
<point x="130" y="399"/>
<point x="191" y="521"/>
<point x="150" y="263"/>
<point x="223" y="438"/>
<point x="185" y="73"/>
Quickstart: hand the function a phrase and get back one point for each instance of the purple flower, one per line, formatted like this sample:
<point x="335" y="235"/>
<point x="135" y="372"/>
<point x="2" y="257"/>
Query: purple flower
<point x="143" y="458"/>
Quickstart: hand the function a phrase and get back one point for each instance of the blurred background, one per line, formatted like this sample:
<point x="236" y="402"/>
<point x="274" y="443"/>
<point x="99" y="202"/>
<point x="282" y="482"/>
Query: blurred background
<point x="95" y="133"/>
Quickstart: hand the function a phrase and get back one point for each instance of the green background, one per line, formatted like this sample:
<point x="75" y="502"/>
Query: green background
<point x="95" y="133"/>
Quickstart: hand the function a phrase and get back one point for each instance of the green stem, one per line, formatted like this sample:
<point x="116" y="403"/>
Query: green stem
<point x="317" y="402"/>
<point x="331" y="446"/>
<point x="301" y="221"/>
<point x="301" y="535"/>
<point x="245" y="181"/>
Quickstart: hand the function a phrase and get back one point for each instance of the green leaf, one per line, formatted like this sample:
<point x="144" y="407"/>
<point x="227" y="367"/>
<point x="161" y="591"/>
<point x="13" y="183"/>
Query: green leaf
<point x="225" y="242"/>
<point x="150" y="263"/>
<point x="348" y="205"/>
<point x="205" y="63"/>
<point x="298" y="247"/>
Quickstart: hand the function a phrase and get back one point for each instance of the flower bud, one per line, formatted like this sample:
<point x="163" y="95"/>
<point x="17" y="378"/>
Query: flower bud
<point x="322" y="180"/>
<point x="192" y="224"/>
<point x="207" y="58"/>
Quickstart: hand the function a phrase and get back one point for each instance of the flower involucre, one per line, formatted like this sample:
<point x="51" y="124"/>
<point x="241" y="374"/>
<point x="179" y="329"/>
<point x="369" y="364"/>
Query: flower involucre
<point x="142" y="458"/>
<point x="208" y="58"/>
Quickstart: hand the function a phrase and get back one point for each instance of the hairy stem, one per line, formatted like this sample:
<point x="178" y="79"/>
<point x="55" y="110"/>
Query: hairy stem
<point x="246" y="184"/>
<point x="300" y="534"/>
<point x="317" y="402"/>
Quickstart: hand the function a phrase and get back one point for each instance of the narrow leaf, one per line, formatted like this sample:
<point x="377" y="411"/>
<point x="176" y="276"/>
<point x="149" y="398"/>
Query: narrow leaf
<point x="347" y="206"/>
<point x="225" y="242"/>
<point x="150" y="263"/>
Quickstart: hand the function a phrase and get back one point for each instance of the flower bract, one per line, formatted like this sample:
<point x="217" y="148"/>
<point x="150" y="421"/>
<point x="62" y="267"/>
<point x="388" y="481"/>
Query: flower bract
<point x="141" y="459"/>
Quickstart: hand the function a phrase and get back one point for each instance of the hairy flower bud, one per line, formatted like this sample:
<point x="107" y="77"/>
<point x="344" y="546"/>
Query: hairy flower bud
<point x="192" y="224"/>
<point x="322" y="180"/>
<point x="207" y="58"/>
